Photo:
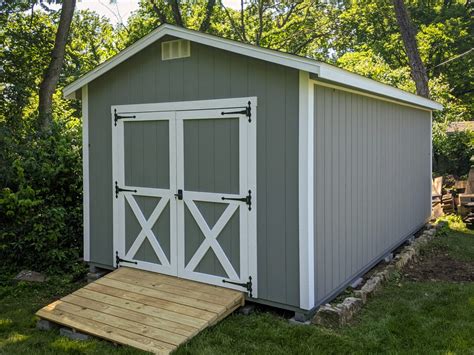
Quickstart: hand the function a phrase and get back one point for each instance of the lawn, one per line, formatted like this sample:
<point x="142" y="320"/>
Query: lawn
<point x="420" y="311"/>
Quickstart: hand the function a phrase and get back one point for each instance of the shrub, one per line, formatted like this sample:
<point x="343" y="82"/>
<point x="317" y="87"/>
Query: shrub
<point x="41" y="198"/>
<point x="452" y="152"/>
<point x="454" y="222"/>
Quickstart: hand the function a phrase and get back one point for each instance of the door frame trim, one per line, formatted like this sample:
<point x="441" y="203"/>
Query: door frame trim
<point x="189" y="105"/>
<point x="227" y="103"/>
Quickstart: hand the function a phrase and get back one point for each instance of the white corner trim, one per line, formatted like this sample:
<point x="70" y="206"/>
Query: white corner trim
<point x="431" y="163"/>
<point x="85" y="171"/>
<point x="305" y="190"/>
<point x="322" y="70"/>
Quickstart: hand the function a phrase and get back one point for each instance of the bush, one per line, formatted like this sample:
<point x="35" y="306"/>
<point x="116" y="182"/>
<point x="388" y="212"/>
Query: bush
<point x="454" y="222"/>
<point x="452" y="152"/>
<point x="41" y="198"/>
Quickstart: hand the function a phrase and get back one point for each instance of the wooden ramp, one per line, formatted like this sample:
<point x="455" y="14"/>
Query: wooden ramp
<point x="146" y="310"/>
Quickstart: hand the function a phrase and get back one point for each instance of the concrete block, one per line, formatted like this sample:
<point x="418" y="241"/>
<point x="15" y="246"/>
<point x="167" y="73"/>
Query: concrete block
<point x="294" y="321"/>
<point x="247" y="310"/>
<point x="357" y="282"/>
<point x="73" y="335"/>
<point x="300" y="317"/>
<point x="30" y="276"/>
<point x="388" y="258"/>
<point x="95" y="275"/>
<point x="44" y="324"/>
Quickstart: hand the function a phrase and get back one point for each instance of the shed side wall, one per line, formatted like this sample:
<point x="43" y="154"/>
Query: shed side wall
<point x="211" y="74"/>
<point x="372" y="182"/>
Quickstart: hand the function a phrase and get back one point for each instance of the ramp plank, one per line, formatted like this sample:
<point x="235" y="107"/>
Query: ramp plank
<point x="142" y="308"/>
<point x="211" y="307"/>
<point x="131" y="315"/>
<point x="151" y="312"/>
<point x="195" y="293"/>
<point x="153" y="277"/>
<point x="105" y="331"/>
<point x="168" y="305"/>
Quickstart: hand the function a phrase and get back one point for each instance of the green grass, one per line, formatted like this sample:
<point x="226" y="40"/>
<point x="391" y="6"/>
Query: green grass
<point x="406" y="317"/>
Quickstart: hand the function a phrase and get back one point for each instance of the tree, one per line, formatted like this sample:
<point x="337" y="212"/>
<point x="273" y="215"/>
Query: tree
<point x="51" y="75"/>
<point x="408" y="33"/>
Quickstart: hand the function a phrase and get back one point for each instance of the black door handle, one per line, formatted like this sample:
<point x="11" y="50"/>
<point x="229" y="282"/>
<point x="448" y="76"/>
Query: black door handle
<point x="179" y="195"/>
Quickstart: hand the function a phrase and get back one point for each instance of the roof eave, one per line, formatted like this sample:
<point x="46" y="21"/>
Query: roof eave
<point x="322" y="70"/>
<point x="338" y="75"/>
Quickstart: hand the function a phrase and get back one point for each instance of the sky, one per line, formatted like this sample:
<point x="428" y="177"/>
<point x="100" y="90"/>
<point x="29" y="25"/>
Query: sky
<point x="121" y="10"/>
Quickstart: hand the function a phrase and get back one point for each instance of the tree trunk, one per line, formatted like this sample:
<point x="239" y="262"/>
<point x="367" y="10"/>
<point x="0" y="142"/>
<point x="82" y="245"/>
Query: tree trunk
<point x="51" y="76"/>
<point x="161" y="14"/>
<point x="176" y="13"/>
<point x="207" y="19"/>
<point x="418" y="70"/>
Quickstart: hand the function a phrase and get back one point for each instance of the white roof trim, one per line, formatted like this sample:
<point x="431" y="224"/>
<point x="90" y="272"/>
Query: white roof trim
<point x="322" y="70"/>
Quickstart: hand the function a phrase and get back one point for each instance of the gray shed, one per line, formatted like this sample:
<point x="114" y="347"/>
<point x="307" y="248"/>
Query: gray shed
<point x="247" y="168"/>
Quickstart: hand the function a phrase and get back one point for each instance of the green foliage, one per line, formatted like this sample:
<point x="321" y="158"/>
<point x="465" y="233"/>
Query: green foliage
<point x="41" y="176"/>
<point x="41" y="199"/>
<point x="452" y="152"/>
<point x="455" y="223"/>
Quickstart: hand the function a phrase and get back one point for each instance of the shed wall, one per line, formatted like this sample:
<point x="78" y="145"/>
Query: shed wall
<point x="211" y="74"/>
<point x="372" y="182"/>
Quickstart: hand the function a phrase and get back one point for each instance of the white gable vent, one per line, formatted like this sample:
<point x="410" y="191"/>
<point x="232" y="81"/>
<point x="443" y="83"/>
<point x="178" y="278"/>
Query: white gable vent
<point x="175" y="49"/>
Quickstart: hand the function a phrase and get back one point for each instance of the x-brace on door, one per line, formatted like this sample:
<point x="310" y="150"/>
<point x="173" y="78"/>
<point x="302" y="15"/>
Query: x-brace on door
<point x="185" y="190"/>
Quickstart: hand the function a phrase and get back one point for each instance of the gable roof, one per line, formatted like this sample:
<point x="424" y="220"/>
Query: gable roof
<point x="321" y="70"/>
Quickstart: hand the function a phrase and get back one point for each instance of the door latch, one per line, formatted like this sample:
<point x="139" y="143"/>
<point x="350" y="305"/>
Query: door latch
<point x="179" y="195"/>
<point x="247" y="199"/>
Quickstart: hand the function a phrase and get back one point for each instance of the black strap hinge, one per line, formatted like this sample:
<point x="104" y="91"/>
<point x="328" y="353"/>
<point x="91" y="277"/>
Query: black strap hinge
<point x="247" y="285"/>
<point x="247" y="199"/>
<point x="119" y="260"/>
<point x="247" y="111"/>
<point x="120" y="117"/>
<point x="119" y="189"/>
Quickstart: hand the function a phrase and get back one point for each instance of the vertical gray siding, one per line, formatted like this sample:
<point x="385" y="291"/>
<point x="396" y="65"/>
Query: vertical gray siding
<point x="211" y="74"/>
<point x="372" y="181"/>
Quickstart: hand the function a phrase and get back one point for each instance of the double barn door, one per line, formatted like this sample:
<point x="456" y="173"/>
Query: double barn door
<point x="184" y="190"/>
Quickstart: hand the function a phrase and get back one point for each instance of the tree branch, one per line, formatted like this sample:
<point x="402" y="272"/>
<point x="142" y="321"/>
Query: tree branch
<point x="161" y="15"/>
<point x="242" y="21"/>
<point x="232" y="23"/>
<point x="260" y="23"/>
<point x="207" y="19"/>
<point x="176" y="13"/>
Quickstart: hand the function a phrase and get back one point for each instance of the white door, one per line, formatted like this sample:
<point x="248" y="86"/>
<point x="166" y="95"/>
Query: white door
<point x="188" y="201"/>
<point x="144" y="186"/>
<point x="216" y="227"/>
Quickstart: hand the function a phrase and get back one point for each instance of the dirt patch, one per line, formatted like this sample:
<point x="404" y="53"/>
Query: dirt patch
<point x="437" y="266"/>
